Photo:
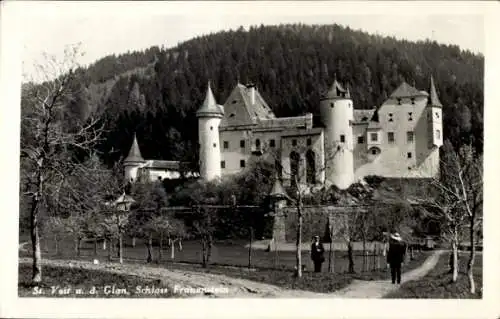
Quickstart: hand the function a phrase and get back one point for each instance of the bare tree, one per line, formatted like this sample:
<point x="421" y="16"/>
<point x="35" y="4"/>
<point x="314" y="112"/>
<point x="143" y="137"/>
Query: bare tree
<point x="457" y="201"/>
<point x="49" y="134"/>
<point x="302" y="178"/>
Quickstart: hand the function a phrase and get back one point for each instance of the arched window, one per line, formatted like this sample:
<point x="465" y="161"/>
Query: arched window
<point x="294" y="166"/>
<point x="311" y="167"/>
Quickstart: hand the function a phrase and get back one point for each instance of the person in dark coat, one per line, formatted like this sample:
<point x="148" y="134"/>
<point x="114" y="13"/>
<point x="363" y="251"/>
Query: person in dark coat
<point x="395" y="256"/>
<point x="317" y="253"/>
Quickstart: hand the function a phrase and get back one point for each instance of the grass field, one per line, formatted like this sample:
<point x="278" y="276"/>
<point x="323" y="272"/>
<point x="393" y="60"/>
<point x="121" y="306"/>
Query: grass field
<point x="437" y="284"/>
<point x="223" y="253"/>
<point x="65" y="282"/>
<point x="232" y="260"/>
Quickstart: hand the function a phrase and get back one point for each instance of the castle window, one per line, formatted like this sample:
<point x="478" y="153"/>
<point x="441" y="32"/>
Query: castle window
<point x="309" y="142"/>
<point x="390" y="117"/>
<point x="390" y="137"/>
<point x="374" y="151"/>
<point x="438" y="134"/>
<point x="242" y="163"/>
<point x="361" y="139"/>
<point x="257" y="143"/>
<point x="211" y="128"/>
<point x="226" y="145"/>
<point x="222" y="164"/>
<point x="311" y="167"/>
<point x="342" y="138"/>
<point x="234" y="101"/>
<point x="399" y="101"/>
<point x="409" y="137"/>
<point x="331" y="104"/>
<point x="294" y="142"/>
<point x="408" y="154"/>
<point x="272" y="143"/>
<point x="373" y="137"/>
<point x="215" y="145"/>
<point x="412" y="100"/>
<point x="437" y="115"/>
<point x="242" y="143"/>
<point x="410" y="118"/>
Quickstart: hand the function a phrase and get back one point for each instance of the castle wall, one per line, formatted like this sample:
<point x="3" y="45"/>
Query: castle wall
<point x="393" y="160"/>
<point x="130" y="172"/>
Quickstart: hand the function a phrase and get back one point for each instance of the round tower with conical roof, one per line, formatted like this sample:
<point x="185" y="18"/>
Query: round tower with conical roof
<point x="209" y="117"/>
<point x="133" y="161"/>
<point x="337" y="115"/>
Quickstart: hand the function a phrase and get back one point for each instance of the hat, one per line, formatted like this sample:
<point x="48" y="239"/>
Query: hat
<point x="396" y="237"/>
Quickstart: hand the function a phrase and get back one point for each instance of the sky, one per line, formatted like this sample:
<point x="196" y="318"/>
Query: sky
<point x="106" y="28"/>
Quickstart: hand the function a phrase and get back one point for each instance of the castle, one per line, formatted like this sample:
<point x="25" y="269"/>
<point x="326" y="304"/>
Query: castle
<point x="401" y="138"/>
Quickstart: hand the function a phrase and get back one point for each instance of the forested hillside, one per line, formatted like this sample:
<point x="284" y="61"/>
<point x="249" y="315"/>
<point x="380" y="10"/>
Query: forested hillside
<point x="156" y="93"/>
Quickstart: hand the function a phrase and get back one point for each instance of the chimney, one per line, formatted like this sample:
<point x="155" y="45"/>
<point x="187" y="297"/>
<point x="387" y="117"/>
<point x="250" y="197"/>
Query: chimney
<point x="252" y="92"/>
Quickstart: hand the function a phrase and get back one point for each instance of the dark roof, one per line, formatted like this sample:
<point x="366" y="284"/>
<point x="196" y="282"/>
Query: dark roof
<point x="239" y="110"/>
<point x="434" y="99"/>
<point x="336" y="91"/>
<point x="134" y="155"/>
<point x="160" y="164"/>
<point x="363" y="116"/>
<point x="406" y="90"/>
<point x="303" y="121"/>
<point x="210" y="107"/>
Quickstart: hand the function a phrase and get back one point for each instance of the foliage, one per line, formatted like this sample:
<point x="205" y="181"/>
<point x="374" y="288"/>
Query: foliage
<point x="291" y="64"/>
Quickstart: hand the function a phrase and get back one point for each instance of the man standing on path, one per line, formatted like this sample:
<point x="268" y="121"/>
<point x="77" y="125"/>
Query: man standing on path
<point x="395" y="256"/>
<point x="317" y="254"/>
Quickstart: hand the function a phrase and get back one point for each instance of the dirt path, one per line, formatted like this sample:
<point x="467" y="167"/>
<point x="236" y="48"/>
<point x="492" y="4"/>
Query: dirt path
<point x="380" y="288"/>
<point x="240" y="288"/>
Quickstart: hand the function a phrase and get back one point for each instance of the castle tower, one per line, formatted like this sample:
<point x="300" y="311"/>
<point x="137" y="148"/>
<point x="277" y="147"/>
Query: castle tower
<point x="337" y="115"/>
<point x="209" y="117"/>
<point x="435" y="117"/>
<point x="133" y="161"/>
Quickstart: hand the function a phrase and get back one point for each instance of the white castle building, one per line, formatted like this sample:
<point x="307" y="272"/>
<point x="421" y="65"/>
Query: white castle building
<point x="401" y="138"/>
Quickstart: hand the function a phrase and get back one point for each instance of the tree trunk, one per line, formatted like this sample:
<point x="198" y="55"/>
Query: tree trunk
<point x="250" y="249"/>
<point x="104" y="244"/>
<point x="330" y="253"/>
<point x="209" y="248"/>
<point x="95" y="246"/>
<point x="35" y="243"/>
<point x="172" y="250"/>
<point x="56" y="242"/>
<point x="351" y="257"/>
<point x="180" y="244"/>
<point x="160" y="248"/>
<point x="377" y="256"/>
<point x="299" y="239"/>
<point x="203" y="252"/>
<point x="133" y="241"/>
<point x="110" y="250"/>
<point x="120" y="248"/>
<point x="454" y="261"/>
<point x="77" y="245"/>
<point x="364" y="254"/>
<point x="150" y="247"/>
<point x="472" y="256"/>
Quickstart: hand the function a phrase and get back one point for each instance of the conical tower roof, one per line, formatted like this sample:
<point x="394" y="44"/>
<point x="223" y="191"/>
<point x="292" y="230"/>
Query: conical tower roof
<point x="336" y="91"/>
<point x="433" y="98"/>
<point x="210" y="108"/>
<point x="278" y="192"/>
<point x="134" y="155"/>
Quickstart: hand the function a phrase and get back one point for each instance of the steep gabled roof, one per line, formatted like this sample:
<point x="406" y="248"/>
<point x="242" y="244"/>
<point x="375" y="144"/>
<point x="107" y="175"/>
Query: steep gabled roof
<point x="406" y="90"/>
<point x="433" y="98"/>
<point x="336" y="91"/>
<point x="363" y="116"/>
<point x="134" y="155"/>
<point x="209" y="106"/>
<point x="239" y="110"/>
